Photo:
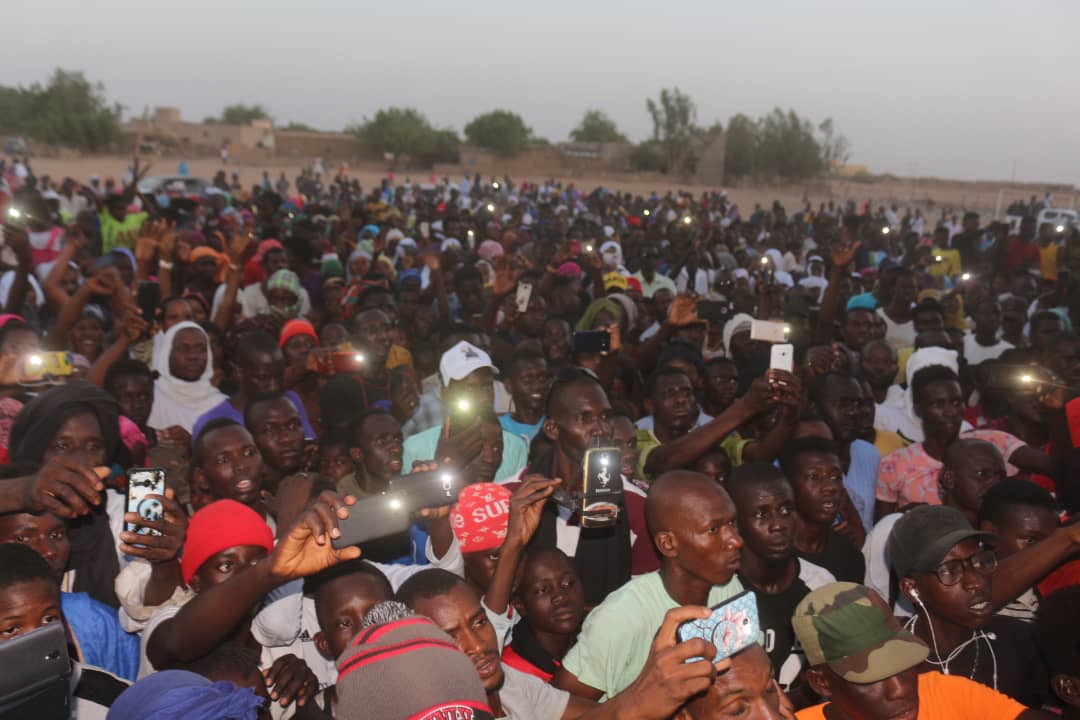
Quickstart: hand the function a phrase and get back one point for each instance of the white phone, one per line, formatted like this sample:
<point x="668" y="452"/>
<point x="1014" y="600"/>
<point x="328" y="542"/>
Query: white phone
<point x="782" y="357"/>
<point x="768" y="330"/>
<point x="524" y="294"/>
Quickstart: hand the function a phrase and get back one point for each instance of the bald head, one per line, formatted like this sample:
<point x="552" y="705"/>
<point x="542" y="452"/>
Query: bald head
<point x="961" y="451"/>
<point x="675" y="493"/>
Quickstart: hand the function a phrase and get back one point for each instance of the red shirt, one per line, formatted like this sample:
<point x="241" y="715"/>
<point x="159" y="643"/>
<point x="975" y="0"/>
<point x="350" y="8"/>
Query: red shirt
<point x="1020" y="255"/>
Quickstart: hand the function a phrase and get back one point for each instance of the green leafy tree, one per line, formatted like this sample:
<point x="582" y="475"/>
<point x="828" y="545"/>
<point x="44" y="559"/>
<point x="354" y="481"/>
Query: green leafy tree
<point x="648" y="157"/>
<point x="674" y="118"/>
<point x="68" y="110"/>
<point x="596" y="127"/>
<point x="786" y="146"/>
<point x="240" y="114"/>
<point x="406" y="131"/>
<point x="294" y="125"/>
<point x="739" y="146"/>
<point x="500" y="131"/>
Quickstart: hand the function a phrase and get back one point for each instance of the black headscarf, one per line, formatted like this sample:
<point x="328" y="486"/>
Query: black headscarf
<point x="93" y="548"/>
<point x="40" y="419"/>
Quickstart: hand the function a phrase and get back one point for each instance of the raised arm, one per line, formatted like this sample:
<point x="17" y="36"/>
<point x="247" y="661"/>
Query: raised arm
<point x="842" y="256"/>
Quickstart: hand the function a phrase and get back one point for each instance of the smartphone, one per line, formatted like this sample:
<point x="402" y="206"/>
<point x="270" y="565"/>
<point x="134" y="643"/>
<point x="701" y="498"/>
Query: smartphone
<point x="141" y="483"/>
<point x="591" y="341"/>
<point x="431" y="489"/>
<point x="35" y="682"/>
<point x="47" y="365"/>
<point x="714" y="310"/>
<point x="148" y="298"/>
<point x="348" y="361"/>
<point x="782" y="357"/>
<point x="733" y="626"/>
<point x="768" y="330"/>
<point x="524" y="294"/>
<point x="373" y="517"/>
<point x="425" y="230"/>
<point x="602" y="487"/>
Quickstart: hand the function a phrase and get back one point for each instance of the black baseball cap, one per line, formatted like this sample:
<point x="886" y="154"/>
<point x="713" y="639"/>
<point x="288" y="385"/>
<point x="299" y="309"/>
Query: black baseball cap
<point x="925" y="534"/>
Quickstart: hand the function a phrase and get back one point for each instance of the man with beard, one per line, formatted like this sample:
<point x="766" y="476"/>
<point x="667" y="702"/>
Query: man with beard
<point x="765" y="507"/>
<point x="275" y="423"/>
<point x="878" y="364"/>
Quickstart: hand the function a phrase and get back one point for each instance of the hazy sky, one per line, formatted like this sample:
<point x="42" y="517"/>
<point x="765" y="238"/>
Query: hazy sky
<point x="948" y="88"/>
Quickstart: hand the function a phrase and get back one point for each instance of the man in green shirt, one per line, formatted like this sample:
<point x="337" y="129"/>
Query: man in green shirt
<point x="118" y="226"/>
<point x="692" y="521"/>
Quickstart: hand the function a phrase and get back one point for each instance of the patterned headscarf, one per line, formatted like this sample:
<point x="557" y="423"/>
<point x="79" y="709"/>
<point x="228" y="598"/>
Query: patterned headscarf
<point x="285" y="280"/>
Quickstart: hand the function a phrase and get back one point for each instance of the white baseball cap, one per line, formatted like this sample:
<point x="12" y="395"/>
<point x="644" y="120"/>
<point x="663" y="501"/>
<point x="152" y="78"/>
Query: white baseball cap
<point x="461" y="361"/>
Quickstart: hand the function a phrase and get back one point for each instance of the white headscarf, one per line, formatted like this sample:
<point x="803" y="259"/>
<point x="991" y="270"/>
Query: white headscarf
<point x="176" y="401"/>
<point x="740" y="322"/>
<point x="903" y="420"/>
<point x="8" y="280"/>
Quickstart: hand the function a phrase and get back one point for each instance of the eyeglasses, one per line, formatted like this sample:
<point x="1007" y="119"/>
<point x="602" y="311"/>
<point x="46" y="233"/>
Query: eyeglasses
<point x="983" y="562"/>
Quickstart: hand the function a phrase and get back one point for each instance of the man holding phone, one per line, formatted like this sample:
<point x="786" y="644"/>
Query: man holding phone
<point x="468" y="398"/>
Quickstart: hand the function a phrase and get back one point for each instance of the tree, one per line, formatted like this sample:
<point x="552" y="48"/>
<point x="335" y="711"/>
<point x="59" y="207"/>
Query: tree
<point x="647" y="157"/>
<point x="739" y="146"/>
<point x="69" y="110"/>
<point x="500" y="131"/>
<point x="406" y="131"/>
<point x="596" y="127"/>
<point x="786" y="146"/>
<point x="835" y="148"/>
<point x="294" y="125"/>
<point x="240" y="114"/>
<point x="674" y="128"/>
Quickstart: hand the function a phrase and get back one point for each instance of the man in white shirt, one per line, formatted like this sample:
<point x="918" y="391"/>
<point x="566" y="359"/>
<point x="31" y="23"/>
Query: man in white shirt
<point x="983" y="343"/>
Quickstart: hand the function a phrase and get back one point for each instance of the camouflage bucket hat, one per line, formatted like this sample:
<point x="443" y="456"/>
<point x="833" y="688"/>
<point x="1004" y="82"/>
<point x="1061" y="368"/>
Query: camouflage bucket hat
<point x="849" y="628"/>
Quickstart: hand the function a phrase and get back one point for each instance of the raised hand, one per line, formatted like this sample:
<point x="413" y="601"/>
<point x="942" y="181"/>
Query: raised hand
<point x="683" y="310"/>
<point x="306" y="549"/>
<point x="64" y="488"/>
<point x="527" y="507"/>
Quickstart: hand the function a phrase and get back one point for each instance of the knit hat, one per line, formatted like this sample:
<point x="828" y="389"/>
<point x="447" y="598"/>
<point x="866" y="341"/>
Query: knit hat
<point x="850" y="628"/>
<point x="481" y="517"/>
<point x="297" y="327"/>
<point x="408" y="670"/>
<point x="219" y="526"/>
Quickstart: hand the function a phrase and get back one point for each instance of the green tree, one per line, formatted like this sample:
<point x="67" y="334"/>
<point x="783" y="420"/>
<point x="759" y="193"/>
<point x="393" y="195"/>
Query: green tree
<point x="500" y="131"/>
<point x="596" y="127"/>
<point x="648" y="157"/>
<point x="294" y="125"/>
<point x="240" y="114"/>
<point x="68" y="110"/>
<point x="675" y="128"/>
<point x="739" y="146"/>
<point x="786" y="146"/>
<point x="405" y="131"/>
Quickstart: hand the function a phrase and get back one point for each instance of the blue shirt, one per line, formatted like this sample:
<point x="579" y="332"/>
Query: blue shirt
<point x="861" y="480"/>
<point x="523" y="430"/>
<point x="97" y="632"/>
<point x="422" y="446"/>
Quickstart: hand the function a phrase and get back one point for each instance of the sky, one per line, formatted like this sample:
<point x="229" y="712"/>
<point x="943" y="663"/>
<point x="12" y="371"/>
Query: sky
<point x="954" y="88"/>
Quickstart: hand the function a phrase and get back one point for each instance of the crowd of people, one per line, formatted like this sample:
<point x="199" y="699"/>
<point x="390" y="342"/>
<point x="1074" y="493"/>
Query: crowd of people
<point x="895" y="500"/>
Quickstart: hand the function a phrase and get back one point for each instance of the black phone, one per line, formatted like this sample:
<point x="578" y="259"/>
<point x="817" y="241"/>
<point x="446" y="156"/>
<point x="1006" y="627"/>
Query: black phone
<point x="35" y="682"/>
<point x="148" y="298"/>
<point x="431" y="489"/>
<point x="602" y="487"/>
<point x="714" y="310"/>
<point x="591" y="341"/>
<point x="373" y="517"/>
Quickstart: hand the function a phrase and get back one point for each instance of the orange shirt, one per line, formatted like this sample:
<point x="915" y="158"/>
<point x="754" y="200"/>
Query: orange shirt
<point x="949" y="697"/>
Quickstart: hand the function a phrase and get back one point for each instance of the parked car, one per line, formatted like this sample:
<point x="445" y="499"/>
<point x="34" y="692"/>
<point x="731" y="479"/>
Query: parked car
<point x="16" y="145"/>
<point x="1059" y="217"/>
<point x="174" y="186"/>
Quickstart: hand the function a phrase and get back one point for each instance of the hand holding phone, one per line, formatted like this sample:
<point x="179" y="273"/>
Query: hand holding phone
<point x="733" y="626"/>
<point x="145" y="488"/>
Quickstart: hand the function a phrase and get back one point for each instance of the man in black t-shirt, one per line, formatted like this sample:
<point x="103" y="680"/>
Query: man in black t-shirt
<point x="765" y="508"/>
<point x="812" y="466"/>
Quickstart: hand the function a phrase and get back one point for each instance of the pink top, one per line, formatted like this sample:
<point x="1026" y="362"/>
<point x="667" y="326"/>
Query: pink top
<point x="909" y="475"/>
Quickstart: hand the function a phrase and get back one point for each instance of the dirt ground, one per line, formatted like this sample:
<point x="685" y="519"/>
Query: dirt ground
<point x="932" y="196"/>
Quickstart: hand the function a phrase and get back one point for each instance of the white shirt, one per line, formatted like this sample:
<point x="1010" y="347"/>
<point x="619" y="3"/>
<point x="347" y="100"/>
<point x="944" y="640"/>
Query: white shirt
<point x="975" y="353"/>
<point x="878" y="564"/>
<point x="898" y="335"/>
<point x="646" y="423"/>
<point x="252" y="301"/>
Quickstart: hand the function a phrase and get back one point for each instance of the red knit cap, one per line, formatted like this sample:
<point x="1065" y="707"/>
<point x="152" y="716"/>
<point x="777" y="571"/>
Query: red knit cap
<point x="481" y="517"/>
<point x="297" y="327"/>
<point x="219" y="526"/>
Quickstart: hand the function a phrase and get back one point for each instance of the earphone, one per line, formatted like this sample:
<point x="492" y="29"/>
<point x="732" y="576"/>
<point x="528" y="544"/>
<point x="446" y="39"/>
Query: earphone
<point x="944" y="664"/>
